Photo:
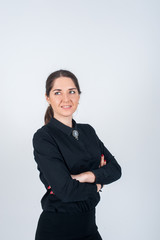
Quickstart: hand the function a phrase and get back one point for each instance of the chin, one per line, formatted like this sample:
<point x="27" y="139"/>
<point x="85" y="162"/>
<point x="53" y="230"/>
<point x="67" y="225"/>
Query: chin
<point x="69" y="113"/>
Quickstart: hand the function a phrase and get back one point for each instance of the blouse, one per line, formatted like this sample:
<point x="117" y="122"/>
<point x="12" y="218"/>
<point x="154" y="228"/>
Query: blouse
<point x="59" y="154"/>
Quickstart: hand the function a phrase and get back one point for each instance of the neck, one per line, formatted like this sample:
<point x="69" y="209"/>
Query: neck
<point x="65" y="120"/>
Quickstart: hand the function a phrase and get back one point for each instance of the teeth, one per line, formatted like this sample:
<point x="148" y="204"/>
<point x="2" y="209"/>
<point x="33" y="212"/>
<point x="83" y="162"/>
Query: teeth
<point x="66" y="106"/>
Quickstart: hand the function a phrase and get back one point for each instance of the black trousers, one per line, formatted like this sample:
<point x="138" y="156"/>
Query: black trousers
<point x="63" y="226"/>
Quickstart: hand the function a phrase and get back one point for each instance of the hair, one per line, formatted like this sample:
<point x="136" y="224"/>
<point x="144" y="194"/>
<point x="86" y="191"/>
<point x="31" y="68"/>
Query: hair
<point x="49" y="85"/>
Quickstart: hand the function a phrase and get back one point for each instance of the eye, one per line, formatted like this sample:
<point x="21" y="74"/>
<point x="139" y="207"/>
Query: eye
<point x="72" y="91"/>
<point x="56" y="93"/>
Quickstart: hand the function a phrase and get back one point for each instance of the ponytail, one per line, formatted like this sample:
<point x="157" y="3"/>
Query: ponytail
<point x="48" y="115"/>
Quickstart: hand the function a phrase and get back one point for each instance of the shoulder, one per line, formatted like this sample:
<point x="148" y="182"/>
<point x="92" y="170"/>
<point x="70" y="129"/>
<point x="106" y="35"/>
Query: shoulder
<point x="42" y="134"/>
<point x="86" y="127"/>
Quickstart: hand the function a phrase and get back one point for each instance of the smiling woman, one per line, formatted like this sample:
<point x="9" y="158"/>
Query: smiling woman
<point x="62" y="94"/>
<point x="63" y="99"/>
<point x="74" y="165"/>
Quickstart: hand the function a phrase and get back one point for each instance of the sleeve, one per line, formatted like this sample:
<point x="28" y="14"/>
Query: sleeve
<point x="55" y="171"/>
<point x="111" y="171"/>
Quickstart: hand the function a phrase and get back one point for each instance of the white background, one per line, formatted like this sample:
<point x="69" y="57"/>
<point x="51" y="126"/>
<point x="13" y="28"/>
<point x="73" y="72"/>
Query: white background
<point x="113" y="48"/>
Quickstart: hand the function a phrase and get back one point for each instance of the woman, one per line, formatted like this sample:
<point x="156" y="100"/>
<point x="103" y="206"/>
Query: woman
<point x="73" y="163"/>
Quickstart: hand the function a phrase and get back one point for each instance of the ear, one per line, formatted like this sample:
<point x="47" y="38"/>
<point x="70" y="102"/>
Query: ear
<point x="47" y="98"/>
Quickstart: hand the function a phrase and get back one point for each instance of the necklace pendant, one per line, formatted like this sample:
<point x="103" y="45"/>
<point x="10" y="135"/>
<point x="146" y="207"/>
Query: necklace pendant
<point x="75" y="134"/>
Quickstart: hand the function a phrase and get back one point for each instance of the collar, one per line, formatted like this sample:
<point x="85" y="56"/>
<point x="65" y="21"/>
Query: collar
<point x="61" y="126"/>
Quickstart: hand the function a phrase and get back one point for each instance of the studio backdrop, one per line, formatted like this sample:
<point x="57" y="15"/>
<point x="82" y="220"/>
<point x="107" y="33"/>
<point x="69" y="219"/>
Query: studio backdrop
<point x="113" y="49"/>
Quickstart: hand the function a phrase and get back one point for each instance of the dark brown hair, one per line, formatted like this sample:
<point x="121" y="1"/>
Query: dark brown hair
<point x="49" y="84"/>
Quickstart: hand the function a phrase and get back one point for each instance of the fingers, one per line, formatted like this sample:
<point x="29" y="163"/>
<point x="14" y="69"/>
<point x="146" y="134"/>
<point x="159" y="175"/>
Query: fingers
<point x="73" y="176"/>
<point x="103" y="161"/>
<point x="98" y="187"/>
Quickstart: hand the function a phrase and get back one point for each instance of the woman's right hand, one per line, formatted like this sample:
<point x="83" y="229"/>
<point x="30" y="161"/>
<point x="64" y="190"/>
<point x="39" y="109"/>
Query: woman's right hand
<point x="102" y="162"/>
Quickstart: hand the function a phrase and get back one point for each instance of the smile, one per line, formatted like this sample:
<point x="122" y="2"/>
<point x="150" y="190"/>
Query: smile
<point x="66" y="107"/>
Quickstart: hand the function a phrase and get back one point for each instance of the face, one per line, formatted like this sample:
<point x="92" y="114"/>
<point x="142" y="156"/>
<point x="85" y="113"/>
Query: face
<point x="63" y="97"/>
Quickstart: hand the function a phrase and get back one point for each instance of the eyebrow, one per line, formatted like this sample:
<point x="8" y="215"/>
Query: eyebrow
<point x="61" y="89"/>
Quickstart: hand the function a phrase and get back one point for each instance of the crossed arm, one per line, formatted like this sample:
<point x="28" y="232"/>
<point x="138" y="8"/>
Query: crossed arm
<point x="89" y="177"/>
<point x="69" y="187"/>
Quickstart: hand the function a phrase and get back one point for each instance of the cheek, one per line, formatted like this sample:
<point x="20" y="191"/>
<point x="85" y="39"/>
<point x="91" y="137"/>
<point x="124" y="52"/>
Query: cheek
<point x="55" y="102"/>
<point x="75" y="100"/>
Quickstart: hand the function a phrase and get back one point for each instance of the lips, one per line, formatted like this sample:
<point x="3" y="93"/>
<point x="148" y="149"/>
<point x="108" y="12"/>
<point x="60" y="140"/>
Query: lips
<point x="66" y="106"/>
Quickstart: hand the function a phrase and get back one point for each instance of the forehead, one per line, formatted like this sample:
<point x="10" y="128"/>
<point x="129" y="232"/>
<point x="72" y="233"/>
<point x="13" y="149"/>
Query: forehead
<point x="63" y="83"/>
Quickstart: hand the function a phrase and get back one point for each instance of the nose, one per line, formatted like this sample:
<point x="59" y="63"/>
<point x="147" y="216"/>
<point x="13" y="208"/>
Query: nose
<point x="66" y="97"/>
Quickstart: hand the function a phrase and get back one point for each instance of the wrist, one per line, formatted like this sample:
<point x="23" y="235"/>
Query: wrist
<point x="90" y="177"/>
